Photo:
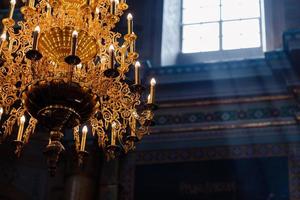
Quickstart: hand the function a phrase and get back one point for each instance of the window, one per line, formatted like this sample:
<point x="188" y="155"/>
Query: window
<point x="220" y="25"/>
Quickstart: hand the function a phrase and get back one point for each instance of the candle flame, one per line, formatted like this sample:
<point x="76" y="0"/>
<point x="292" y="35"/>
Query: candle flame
<point x="85" y="129"/>
<point x="13" y="2"/>
<point x="79" y="66"/>
<point x="37" y="29"/>
<point x="111" y="48"/>
<point x="97" y="11"/>
<point x="75" y="33"/>
<point x="137" y="64"/>
<point x="114" y="125"/>
<point x="22" y="119"/>
<point x="1" y="110"/>
<point x="153" y="82"/>
<point x="129" y="16"/>
<point x="3" y="36"/>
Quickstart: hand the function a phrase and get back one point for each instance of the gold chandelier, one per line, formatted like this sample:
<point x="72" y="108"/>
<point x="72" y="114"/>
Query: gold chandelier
<point x="65" y="68"/>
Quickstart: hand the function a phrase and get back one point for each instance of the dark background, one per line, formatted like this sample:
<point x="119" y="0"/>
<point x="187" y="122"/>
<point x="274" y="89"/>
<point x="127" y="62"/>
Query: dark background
<point x="247" y="179"/>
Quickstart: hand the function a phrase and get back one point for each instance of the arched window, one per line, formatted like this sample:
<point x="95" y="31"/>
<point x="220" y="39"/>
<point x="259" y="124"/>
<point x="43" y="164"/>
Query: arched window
<point x="220" y="25"/>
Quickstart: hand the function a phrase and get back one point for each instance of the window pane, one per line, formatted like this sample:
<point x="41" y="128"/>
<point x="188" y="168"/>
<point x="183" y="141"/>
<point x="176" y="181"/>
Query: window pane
<point x="200" y="3"/>
<point x="201" y="11"/>
<point x="240" y="9"/>
<point x="201" y="38"/>
<point x="241" y="34"/>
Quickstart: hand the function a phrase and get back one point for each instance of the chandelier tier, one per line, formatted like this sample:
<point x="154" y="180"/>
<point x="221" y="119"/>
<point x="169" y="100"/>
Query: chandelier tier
<point x="64" y="67"/>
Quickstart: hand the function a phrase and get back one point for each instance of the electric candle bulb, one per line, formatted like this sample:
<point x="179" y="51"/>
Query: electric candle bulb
<point x="79" y="66"/>
<point x="48" y="10"/>
<point x="112" y="56"/>
<point x="130" y="23"/>
<point x="2" y="39"/>
<point x="74" y="42"/>
<point x="21" y="128"/>
<point x="12" y="8"/>
<point x="83" y="139"/>
<point x="36" y="33"/>
<point x="137" y="73"/>
<point x="1" y="112"/>
<point x="3" y="36"/>
<point x="31" y="3"/>
<point x="113" y="133"/>
<point x="152" y="90"/>
<point x="97" y="13"/>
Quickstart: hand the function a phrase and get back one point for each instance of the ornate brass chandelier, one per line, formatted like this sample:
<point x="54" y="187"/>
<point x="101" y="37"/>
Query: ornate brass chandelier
<point x="64" y="67"/>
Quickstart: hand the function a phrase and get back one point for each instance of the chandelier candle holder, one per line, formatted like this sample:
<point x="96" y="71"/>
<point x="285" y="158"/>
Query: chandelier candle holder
<point x="66" y="69"/>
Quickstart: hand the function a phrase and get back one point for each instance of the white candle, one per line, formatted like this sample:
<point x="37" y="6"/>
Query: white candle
<point x="36" y="33"/>
<point x="31" y="3"/>
<point x="48" y="10"/>
<point x="1" y="112"/>
<point x="152" y="90"/>
<point x="113" y="133"/>
<point x="97" y="13"/>
<point x="12" y="8"/>
<point x="83" y="138"/>
<point x="21" y="128"/>
<point x="137" y="73"/>
<point x="2" y="40"/>
<point x="74" y="42"/>
<point x="130" y="23"/>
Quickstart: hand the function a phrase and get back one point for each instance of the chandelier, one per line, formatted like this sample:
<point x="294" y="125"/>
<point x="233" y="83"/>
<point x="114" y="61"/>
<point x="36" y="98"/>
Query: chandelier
<point x="64" y="67"/>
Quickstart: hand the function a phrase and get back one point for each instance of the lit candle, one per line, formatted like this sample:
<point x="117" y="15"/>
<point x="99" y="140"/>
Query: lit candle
<point x="48" y="10"/>
<point x="31" y="3"/>
<point x="113" y="133"/>
<point x="21" y="128"/>
<point x="74" y="43"/>
<point x="2" y="40"/>
<point x="83" y="138"/>
<point x="130" y="23"/>
<point x="12" y="8"/>
<point x="1" y="112"/>
<point x="137" y="73"/>
<point x="79" y="66"/>
<point x="36" y="33"/>
<point x="152" y="90"/>
<point x="113" y="7"/>
<point x="97" y="13"/>
<point x="111" y="56"/>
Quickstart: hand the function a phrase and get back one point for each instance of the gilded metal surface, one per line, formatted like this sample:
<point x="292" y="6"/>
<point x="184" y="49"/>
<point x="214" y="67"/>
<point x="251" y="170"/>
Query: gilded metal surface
<point x="94" y="24"/>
